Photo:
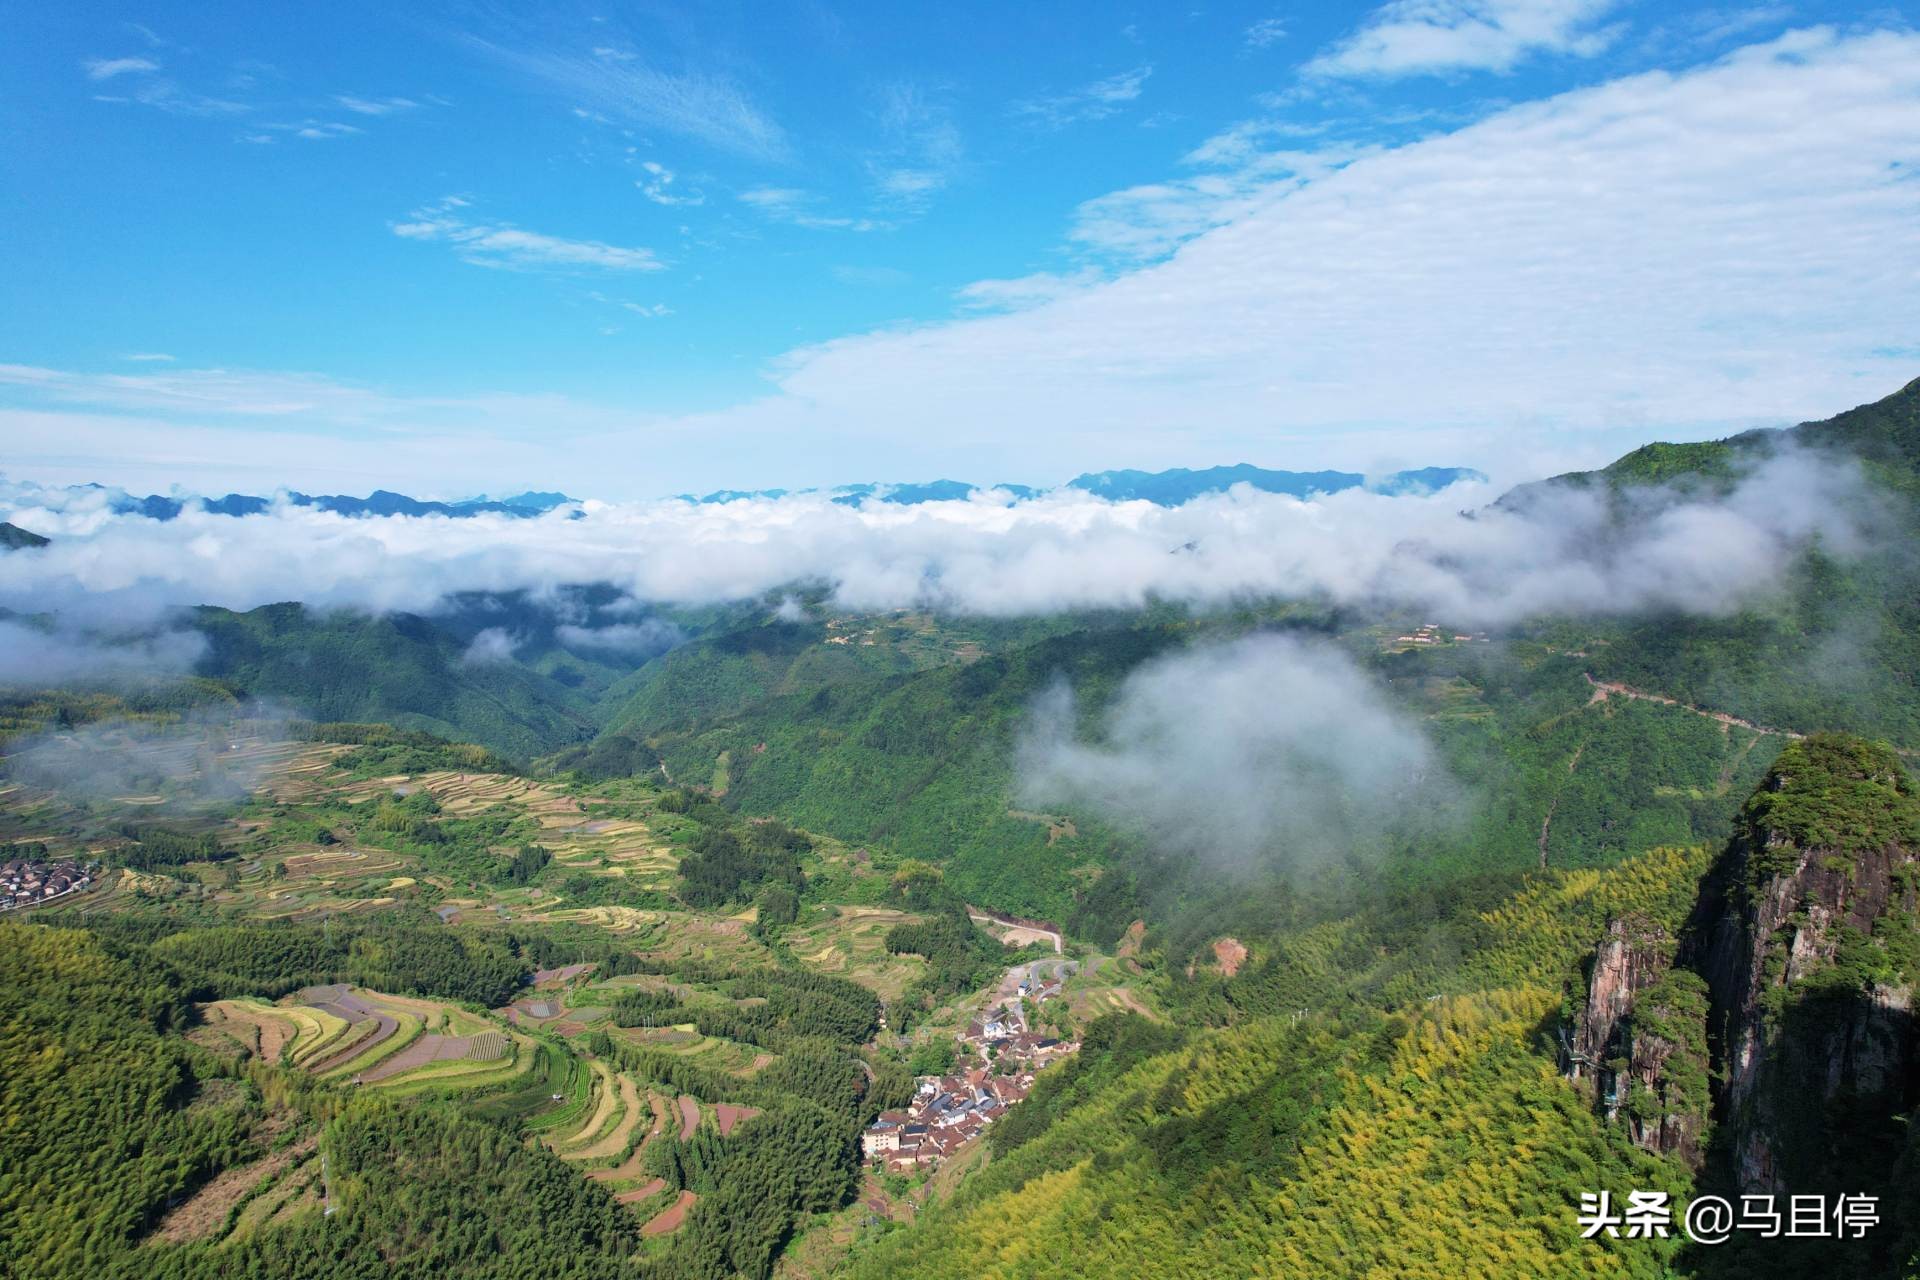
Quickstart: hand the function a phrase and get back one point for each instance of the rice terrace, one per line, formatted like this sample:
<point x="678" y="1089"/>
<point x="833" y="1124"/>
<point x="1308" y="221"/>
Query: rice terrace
<point x="405" y="920"/>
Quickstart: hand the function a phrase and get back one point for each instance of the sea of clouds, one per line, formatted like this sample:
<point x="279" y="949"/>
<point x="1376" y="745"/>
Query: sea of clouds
<point x="1452" y="554"/>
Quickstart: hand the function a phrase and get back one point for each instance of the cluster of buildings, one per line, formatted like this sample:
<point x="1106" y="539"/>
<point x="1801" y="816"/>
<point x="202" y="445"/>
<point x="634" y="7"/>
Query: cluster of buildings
<point x="25" y="881"/>
<point x="999" y="1057"/>
<point x="1431" y="634"/>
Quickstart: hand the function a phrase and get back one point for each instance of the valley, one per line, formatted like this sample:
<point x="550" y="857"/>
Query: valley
<point x="831" y="640"/>
<point x="828" y="941"/>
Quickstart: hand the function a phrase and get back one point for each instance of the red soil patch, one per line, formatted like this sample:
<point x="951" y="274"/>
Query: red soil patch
<point x="689" y="1116"/>
<point x="730" y="1115"/>
<point x="641" y="1193"/>
<point x="631" y="1167"/>
<point x="671" y="1219"/>
<point x="1231" y="954"/>
<point x="435" y="1048"/>
<point x="359" y="1045"/>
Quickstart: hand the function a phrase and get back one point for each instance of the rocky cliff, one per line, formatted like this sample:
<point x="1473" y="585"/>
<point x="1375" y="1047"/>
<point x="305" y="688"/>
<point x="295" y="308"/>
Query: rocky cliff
<point x="1808" y="944"/>
<point x="1639" y="1043"/>
<point x="1791" y="989"/>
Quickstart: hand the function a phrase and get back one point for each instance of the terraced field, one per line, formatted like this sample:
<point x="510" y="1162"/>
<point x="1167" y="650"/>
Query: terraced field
<point x="669" y="1219"/>
<point x="853" y="945"/>
<point x="569" y="829"/>
<point x="347" y="1033"/>
<point x="658" y="1116"/>
<point x="255" y="1027"/>
<point x="302" y="771"/>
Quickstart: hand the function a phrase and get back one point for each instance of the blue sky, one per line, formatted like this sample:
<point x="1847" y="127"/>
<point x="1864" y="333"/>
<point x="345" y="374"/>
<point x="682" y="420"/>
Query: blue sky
<point x="626" y="250"/>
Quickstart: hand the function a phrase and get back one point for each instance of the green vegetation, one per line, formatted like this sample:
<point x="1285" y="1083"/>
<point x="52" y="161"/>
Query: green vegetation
<point x="396" y="669"/>
<point x="1830" y="791"/>
<point x="276" y="959"/>
<point x="1352" y="1066"/>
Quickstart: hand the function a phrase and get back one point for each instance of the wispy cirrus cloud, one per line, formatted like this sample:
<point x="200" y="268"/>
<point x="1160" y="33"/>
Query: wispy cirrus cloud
<point x="374" y="106"/>
<point x="108" y="68"/>
<point x="147" y="88"/>
<point x="503" y="245"/>
<point x="922" y="150"/>
<point x="1424" y="37"/>
<point x="646" y="310"/>
<point x="658" y="186"/>
<point x="1095" y="101"/>
<point x="619" y="84"/>
<point x="797" y="208"/>
<point x="1265" y="33"/>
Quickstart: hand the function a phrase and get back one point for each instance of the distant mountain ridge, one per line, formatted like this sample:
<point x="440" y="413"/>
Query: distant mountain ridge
<point x="852" y="495"/>
<point x="1171" y="488"/>
<point x="1179" y="485"/>
<point x="381" y="502"/>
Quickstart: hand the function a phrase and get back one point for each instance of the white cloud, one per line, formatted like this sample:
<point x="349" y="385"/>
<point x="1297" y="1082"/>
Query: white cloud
<point x="1095" y="101"/>
<point x="985" y="555"/>
<point x="159" y="357"/>
<point x="374" y="106"/>
<point x="922" y="152"/>
<point x="1668" y="253"/>
<point x="320" y="130"/>
<point x="108" y="68"/>
<point x="795" y="207"/>
<point x="1270" y="749"/>
<point x="32" y="656"/>
<point x="1265" y="33"/>
<point x="504" y="245"/>
<point x="709" y="108"/>
<point x="648" y="637"/>
<point x="1674" y="254"/>
<point x="1410" y="37"/>
<point x="657" y="186"/>
<point x="1026" y="291"/>
<point x="493" y="645"/>
<point x="163" y="94"/>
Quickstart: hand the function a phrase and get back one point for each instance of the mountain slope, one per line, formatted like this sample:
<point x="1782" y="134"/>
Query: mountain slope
<point x="1439" y="1109"/>
<point x="1404" y="1120"/>
<point x="397" y="668"/>
<point x="14" y="538"/>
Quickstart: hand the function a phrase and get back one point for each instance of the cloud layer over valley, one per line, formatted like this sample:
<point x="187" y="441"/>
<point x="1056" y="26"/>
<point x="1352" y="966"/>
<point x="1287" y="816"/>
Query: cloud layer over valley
<point x="1270" y="747"/>
<point x="1561" y="552"/>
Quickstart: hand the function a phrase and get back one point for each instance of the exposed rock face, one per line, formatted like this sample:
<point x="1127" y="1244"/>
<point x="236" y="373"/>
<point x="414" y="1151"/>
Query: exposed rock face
<point x="1806" y="936"/>
<point x="1794" y="984"/>
<point x="1640" y="1042"/>
<point x="1634" y="955"/>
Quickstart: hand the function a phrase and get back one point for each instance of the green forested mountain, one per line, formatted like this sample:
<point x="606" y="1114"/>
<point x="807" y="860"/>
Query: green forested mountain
<point x="1659" y="931"/>
<point x="397" y="668"/>
<point x="1387" y="1092"/>
<point x="918" y="754"/>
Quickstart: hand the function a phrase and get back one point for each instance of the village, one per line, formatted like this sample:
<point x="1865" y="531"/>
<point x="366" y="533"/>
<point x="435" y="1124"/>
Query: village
<point x="27" y="881"/>
<point x="999" y="1055"/>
